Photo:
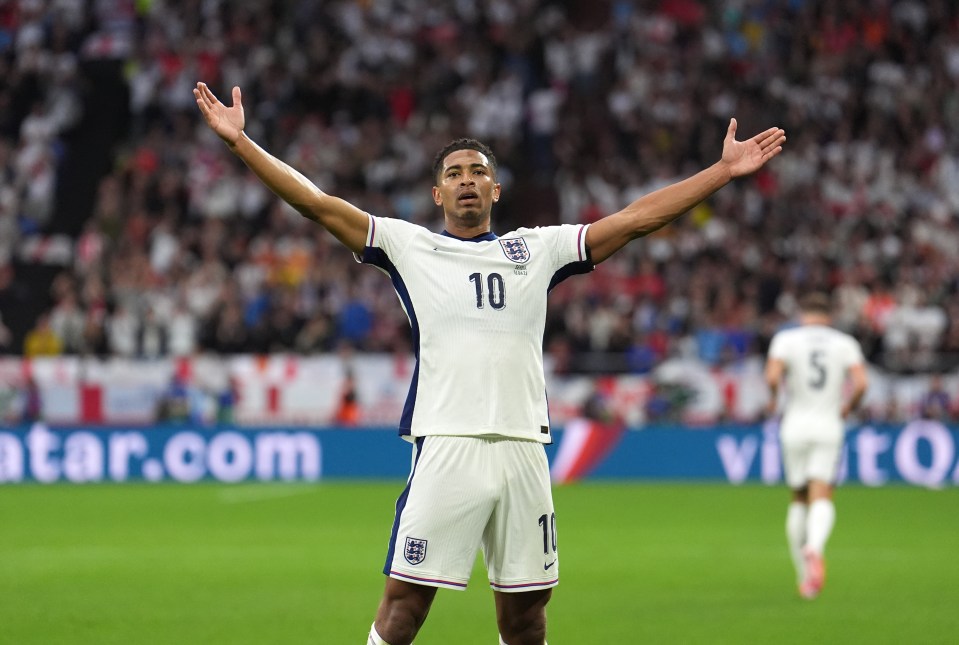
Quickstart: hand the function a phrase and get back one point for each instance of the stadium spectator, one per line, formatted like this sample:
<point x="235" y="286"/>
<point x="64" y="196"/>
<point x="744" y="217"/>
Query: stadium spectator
<point x="123" y="326"/>
<point x="152" y="340"/>
<point x="181" y="331"/>
<point x="67" y="322"/>
<point x="6" y="338"/>
<point x="42" y="340"/>
<point x="347" y="410"/>
<point x="936" y="403"/>
<point x="95" y="341"/>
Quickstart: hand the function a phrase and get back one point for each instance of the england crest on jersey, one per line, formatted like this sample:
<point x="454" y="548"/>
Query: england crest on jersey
<point x="415" y="551"/>
<point x="515" y="249"/>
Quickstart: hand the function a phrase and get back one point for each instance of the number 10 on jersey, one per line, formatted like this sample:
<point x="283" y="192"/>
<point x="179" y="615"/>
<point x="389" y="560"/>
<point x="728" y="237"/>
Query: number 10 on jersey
<point x="495" y="290"/>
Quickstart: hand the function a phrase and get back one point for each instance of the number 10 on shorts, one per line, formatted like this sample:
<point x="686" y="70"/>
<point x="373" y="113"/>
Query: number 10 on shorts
<point x="548" y="522"/>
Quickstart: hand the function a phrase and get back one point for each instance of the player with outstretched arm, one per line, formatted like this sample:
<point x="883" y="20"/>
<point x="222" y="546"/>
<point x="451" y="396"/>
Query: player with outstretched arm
<point x="815" y="361"/>
<point x="476" y="411"/>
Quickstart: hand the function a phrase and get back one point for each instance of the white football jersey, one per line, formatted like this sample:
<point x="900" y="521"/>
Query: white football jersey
<point x="817" y="359"/>
<point x="477" y="309"/>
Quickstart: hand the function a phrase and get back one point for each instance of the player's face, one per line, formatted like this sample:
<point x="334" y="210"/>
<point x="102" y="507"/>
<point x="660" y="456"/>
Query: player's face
<point x="467" y="188"/>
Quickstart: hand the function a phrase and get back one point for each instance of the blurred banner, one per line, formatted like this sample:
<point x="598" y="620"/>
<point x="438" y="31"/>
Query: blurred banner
<point x="921" y="453"/>
<point x="369" y="390"/>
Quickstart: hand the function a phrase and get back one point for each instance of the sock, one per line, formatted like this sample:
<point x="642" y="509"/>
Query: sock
<point x="822" y="516"/>
<point x="374" y="638"/>
<point x="796" y="536"/>
<point x="501" y="641"/>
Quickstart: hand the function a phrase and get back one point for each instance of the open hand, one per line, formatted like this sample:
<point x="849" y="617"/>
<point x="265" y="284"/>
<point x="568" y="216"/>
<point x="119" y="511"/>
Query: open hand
<point x="746" y="157"/>
<point x="226" y="121"/>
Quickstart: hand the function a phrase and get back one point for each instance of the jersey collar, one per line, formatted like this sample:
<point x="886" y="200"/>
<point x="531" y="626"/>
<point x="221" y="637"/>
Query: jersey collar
<point x="482" y="237"/>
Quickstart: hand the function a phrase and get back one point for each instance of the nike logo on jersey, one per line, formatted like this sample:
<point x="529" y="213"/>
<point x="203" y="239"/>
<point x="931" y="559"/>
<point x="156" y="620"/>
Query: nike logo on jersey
<point x="547" y="566"/>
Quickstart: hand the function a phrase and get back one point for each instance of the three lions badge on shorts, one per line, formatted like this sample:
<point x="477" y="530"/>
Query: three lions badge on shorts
<point x="415" y="551"/>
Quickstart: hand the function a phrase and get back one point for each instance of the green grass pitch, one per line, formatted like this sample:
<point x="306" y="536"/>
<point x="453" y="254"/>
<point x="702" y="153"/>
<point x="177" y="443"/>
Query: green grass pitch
<point x="641" y="563"/>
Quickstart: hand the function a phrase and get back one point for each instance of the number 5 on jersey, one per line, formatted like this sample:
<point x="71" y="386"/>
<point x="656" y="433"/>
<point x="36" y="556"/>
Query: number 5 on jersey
<point x="816" y="362"/>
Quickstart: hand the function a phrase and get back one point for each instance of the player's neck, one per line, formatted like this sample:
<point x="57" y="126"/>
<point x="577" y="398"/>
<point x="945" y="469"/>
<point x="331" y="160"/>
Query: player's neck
<point x="816" y="319"/>
<point x="467" y="231"/>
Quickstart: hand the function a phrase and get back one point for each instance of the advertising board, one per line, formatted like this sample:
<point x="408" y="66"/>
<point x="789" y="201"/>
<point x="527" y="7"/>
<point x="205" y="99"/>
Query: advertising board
<point x="921" y="453"/>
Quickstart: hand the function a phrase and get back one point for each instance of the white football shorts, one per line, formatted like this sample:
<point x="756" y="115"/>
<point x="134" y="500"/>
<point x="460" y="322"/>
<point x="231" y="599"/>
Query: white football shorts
<point x="806" y="459"/>
<point x="469" y="493"/>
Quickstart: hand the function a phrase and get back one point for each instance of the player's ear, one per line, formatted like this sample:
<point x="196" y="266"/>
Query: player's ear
<point x="437" y="197"/>
<point x="496" y="191"/>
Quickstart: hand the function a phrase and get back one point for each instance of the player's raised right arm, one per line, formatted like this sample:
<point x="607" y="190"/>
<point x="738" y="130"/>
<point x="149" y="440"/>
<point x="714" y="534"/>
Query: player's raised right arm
<point x="346" y="222"/>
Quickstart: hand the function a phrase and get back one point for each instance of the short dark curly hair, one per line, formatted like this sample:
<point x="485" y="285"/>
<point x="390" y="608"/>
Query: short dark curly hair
<point x="462" y="144"/>
<point x="815" y="302"/>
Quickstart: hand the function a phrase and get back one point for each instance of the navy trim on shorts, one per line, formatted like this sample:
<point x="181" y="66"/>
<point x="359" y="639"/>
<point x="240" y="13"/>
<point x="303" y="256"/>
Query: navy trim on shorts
<point x="427" y="581"/>
<point x="400" y="506"/>
<point x="526" y="585"/>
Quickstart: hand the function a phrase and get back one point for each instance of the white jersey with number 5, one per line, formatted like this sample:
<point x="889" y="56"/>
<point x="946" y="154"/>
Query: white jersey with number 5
<point x="477" y="309"/>
<point x="817" y="359"/>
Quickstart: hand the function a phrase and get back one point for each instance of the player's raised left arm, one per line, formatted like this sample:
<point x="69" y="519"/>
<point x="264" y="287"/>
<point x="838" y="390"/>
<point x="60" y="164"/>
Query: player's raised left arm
<point x="655" y="210"/>
<point x="345" y="221"/>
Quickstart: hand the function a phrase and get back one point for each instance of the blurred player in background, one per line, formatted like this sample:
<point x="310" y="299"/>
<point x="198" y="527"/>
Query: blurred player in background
<point x="476" y="411"/>
<point x="814" y="361"/>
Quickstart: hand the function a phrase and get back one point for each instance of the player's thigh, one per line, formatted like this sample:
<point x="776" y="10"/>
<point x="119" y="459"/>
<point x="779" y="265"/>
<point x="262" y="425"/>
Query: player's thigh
<point x="441" y="515"/>
<point x="405" y="602"/>
<point x="515" y="612"/>
<point x="795" y="455"/>
<point x="520" y="544"/>
<point x="823" y="463"/>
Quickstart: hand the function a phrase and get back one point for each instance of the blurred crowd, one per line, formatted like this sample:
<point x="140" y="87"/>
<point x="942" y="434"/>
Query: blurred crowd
<point x="587" y="104"/>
